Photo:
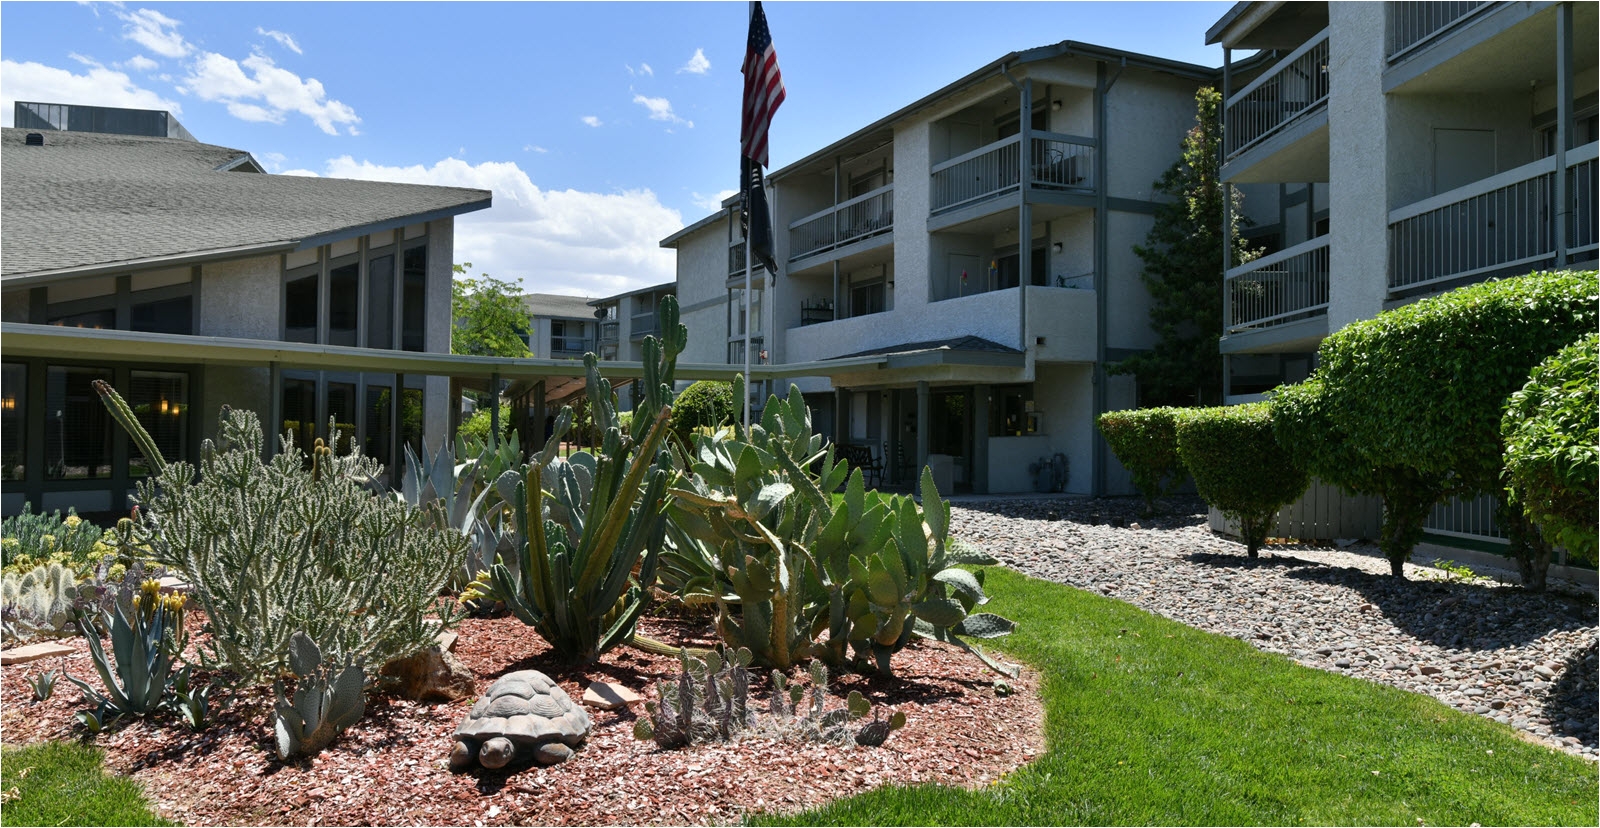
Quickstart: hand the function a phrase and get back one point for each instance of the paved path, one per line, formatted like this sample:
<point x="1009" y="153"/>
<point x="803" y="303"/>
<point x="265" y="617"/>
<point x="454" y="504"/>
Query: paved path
<point x="1524" y="659"/>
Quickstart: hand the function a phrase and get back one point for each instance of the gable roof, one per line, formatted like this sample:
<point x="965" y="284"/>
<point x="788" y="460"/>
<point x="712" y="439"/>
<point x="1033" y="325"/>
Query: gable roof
<point x="558" y="306"/>
<point x="86" y="203"/>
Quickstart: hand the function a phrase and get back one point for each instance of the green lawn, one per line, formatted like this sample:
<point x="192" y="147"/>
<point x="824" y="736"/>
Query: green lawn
<point x="62" y="783"/>
<point x="1167" y="725"/>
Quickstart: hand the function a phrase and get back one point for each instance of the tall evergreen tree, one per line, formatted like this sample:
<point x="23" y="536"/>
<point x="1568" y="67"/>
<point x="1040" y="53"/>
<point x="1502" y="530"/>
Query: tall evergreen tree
<point x="1182" y="257"/>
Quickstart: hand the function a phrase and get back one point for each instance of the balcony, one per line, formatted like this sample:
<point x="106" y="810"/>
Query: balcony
<point x="1275" y="115"/>
<point x="1413" y="25"/>
<point x="608" y="333"/>
<point x="1275" y="293"/>
<point x="1503" y="223"/>
<point x="1062" y="163"/>
<point x="862" y="217"/>
<point x="569" y="347"/>
<point x="641" y="325"/>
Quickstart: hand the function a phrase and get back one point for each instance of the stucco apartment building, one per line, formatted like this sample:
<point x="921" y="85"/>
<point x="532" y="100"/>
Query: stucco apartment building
<point x="1399" y="149"/>
<point x="915" y="316"/>
<point x="188" y="277"/>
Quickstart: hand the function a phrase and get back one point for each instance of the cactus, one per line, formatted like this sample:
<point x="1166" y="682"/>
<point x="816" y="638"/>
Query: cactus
<point x="876" y="732"/>
<point x="192" y="702"/>
<point x="708" y="700"/>
<point x="125" y="418"/>
<point x="43" y="685"/>
<point x="582" y="525"/>
<point x="38" y="603"/>
<point x="142" y="643"/>
<point x="327" y="700"/>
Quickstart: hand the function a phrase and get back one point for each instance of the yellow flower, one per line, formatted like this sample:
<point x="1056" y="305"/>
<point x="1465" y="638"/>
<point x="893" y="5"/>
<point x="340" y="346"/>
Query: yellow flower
<point x="72" y="520"/>
<point x="47" y="542"/>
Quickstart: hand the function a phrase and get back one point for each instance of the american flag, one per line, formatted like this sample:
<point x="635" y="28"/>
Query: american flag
<point x="763" y="88"/>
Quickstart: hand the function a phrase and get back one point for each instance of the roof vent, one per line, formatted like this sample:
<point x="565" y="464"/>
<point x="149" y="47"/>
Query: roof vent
<point x="35" y="139"/>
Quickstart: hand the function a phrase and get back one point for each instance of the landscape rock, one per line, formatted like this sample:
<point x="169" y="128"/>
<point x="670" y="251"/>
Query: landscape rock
<point x="34" y="652"/>
<point x="608" y="695"/>
<point x="431" y="675"/>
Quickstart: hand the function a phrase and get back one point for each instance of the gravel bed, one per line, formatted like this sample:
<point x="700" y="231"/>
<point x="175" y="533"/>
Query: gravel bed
<point x="1524" y="659"/>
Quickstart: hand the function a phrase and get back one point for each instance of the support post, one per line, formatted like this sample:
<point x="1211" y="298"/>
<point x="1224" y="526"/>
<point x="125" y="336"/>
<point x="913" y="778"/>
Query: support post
<point x="494" y="410"/>
<point x="1563" y="193"/>
<point x="274" y="429"/>
<point x="980" y="439"/>
<point x="923" y="400"/>
<point x="1102" y="208"/>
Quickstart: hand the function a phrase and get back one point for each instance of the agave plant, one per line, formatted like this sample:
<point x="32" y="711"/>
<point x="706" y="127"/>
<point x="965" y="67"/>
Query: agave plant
<point x="583" y="525"/>
<point x="139" y="671"/>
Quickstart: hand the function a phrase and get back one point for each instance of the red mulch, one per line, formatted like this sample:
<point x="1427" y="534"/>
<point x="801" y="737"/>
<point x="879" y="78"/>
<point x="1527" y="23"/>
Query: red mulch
<point x="390" y="769"/>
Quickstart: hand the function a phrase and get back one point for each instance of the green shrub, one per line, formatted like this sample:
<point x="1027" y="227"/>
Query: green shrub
<point x="31" y="540"/>
<point x="1238" y="466"/>
<point x="1407" y="405"/>
<point x="276" y="547"/>
<point x="1145" y="440"/>
<point x="477" y="426"/>
<point x="704" y="404"/>
<point x="1553" y="446"/>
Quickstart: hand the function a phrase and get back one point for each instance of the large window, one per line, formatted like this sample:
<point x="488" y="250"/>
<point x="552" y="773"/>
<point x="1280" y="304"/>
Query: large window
<point x="168" y="316"/>
<point x="867" y="297"/>
<point x="411" y="419"/>
<point x="300" y="307"/>
<point x="379" y="432"/>
<point x="299" y="412"/>
<point x="380" y="301"/>
<point x="77" y="438"/>
<point x="13" y="405"/>
<point x="100" y="319"/>
<point x="344" y="303"/>
<point x="342" y="408"/>
<point x="413" y="310"/>
<point x="160" y="402"/>
<point x="1011" y="411"/>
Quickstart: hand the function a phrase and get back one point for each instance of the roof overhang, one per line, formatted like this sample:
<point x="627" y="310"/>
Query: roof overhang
<point x="672" y="240"/>
<point x="1268" y="25"/>
<point x="606" y="300"/>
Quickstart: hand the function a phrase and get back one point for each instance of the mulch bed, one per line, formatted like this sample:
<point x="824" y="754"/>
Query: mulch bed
<point x="390" y="769"/>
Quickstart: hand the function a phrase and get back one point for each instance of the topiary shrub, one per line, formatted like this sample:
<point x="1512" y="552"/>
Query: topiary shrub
<point x="1553" y="446"/>
<point x="1145" y="440"/>
<point x="704" y="404"/>
<point x="1407" y="405"/>
<point x="478" y="426"/>
<point x="1238" y="466"/>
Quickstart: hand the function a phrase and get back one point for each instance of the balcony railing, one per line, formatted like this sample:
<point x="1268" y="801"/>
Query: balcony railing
<point x="1056" y="162"/>
<point x="1502" y="222"/>
<point x="1412" y="24"/>
<point x="1288" y="285"/>
<point x="736" y="259"/>
<point x="608" y="332"/>
<point x="1296" y="87"/>
<point x="861" y="217"/>
<point x="569" y="346"/>
<point x="641" y="325"/>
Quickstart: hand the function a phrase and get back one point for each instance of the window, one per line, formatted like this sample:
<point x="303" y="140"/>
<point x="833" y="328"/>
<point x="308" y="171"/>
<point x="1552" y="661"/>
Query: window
<point x="160" y="402"/>
<point x="414" y="289"/>
<point x="342" y="408"/>
<point x="1011" y="411"/>
<point x="736" y="317"/>
<point x="299" y="412"/>
<point x="300" y="307"/>
<point x="97" y="319"/>
<point x="13" y="404"/>
<point x="344" y="296"/>
<point x="77" y="438"/>
<point x="168" y="316"/>
<point x="867" y="297"/>
<point x="411" y="419"/>
<point x="1008" y="269"/>
<point x="380" y="437"/>
<point x="380" y="302"/>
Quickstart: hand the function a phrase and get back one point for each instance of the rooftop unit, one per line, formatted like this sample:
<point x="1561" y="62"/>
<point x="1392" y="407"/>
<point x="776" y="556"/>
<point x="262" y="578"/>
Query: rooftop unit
<point x="152" y="123"/>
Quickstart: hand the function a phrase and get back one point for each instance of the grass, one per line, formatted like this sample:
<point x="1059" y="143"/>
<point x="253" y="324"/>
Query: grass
<point x="63" y="783"/>
<point x="1152" y="722"/>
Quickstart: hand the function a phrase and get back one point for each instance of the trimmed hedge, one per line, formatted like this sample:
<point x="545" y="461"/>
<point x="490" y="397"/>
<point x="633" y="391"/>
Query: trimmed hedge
<point x="1553" y="446"/>
<point x="1145" y="441"/>
<point x="704" y="404"/>
<point x="1238" y="466"/>
<point x="1407" y="405"/>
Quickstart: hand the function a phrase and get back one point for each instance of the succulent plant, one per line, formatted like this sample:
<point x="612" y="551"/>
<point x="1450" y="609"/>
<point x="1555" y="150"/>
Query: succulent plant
<point x="192" y="702"/>
<point x="43" y="685"/>
<point x="138" y="673"/>
<point x="327" y="700"/>
<point x="709" y="700"/>
<point x="38" y="603"/>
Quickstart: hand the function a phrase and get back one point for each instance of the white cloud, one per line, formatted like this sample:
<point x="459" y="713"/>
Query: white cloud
<point x="552" y="241"/>
<point x="267" y="93"/>
<point x="697" y="65"/>
<point x="534" y="148"/>
<point x="141" y="63"/>
<point x="273" y="161"/>
<point x="590" y="120"/>
<point x="284" y="39"/>
<point x="154" y="31"/>
<point x="711" y="203"/>
<point x="644" y="69"/>
<point x="99" y="86"/>
<point x="660" y="110"/>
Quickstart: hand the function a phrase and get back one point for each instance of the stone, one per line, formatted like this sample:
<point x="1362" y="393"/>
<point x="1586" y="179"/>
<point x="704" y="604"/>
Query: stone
<point x="1430" y="670"/>
<point x="522" y="715"/>
<point x="446" y="641"/>
<point x="34" y="652"/>
<point x="609" y="696"/>
<point x="432" y="675"/>
<point x="1545" y="671"/>
<point x="172" y="583"/>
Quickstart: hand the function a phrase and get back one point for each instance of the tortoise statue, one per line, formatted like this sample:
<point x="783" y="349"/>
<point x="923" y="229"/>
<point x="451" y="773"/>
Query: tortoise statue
<point x="522" y="713"/>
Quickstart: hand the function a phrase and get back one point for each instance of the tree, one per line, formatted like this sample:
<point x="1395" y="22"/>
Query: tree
<point x="490" y="318"/>
<point x="1239" y="467"/>
<point x="1183" y="271"/>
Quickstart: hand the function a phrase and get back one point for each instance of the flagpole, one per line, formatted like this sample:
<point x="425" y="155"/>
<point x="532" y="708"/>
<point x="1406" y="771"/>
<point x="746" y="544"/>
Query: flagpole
<point x="750" y="14"/>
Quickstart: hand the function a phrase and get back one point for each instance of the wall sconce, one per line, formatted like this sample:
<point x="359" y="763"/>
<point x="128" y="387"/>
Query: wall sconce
<point x="1055" y="248"/>
<point x="8" y="404"/>
<point x="163" y="406"/>
<point x="1055" y="106"/>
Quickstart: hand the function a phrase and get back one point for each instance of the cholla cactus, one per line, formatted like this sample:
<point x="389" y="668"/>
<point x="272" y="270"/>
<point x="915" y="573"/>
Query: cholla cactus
<point x="38" y="603"/>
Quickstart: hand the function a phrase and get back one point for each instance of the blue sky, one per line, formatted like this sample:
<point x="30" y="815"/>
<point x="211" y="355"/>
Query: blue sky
<point x="601" y="127"/>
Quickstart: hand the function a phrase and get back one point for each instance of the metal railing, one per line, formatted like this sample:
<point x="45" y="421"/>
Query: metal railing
<point x="608" y="332"/>
<point x="641" y="325"/>
<point x="1498" y="223"/>
<point x="1413" y="24"/>
<point x="1287" y="285"/>
<point x="570" y="346"/>
<point x="1056" y="162"/>
<point x="1467" y="517"/>
<point x="866" y="215"/>
<point x="736" y="259"/>
<point x="1290" y="90"/>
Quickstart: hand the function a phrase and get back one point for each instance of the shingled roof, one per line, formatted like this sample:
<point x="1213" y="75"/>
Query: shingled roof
<point x="557" y="306"/>
<point x="93" y="203"/>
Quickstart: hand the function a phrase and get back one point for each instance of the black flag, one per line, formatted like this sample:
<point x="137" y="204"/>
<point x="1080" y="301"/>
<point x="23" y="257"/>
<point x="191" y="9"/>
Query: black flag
<point x="754" y="220"/>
